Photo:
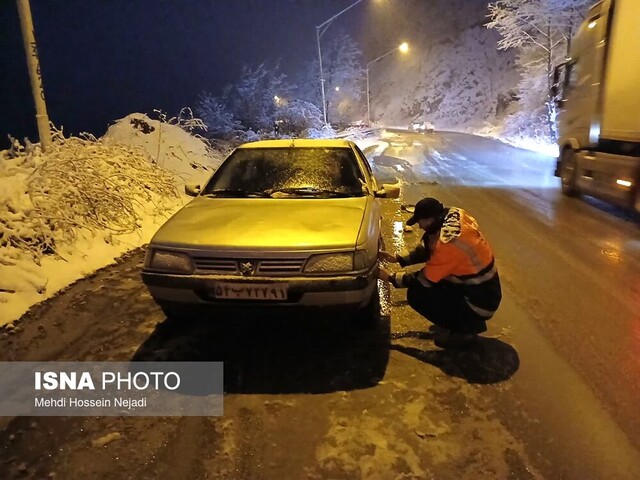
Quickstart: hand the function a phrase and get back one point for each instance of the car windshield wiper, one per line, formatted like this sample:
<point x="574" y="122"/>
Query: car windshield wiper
<point x="235" y="192"/>
<point x="310" y="191"/>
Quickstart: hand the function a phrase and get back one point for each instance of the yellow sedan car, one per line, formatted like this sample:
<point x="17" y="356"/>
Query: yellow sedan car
<point x="281" y="223"/>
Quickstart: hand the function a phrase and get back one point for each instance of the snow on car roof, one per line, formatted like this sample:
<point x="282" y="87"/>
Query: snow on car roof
<point x="298" y="142"/>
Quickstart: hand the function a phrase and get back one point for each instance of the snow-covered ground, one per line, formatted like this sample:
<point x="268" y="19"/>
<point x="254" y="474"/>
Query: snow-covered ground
<point x="527" y="143"/>
<point x="75" y="209"/>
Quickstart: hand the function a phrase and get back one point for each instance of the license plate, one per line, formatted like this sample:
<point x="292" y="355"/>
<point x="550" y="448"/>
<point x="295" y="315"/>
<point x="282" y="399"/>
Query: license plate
<point x="254" y="291"/>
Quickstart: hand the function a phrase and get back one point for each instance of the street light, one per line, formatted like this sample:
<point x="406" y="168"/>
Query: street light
<point x="320" y="29"/>
<point x="403" y="48"/>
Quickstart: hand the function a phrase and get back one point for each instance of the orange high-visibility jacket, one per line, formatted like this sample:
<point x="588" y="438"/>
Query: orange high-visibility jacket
<point x="462" y="257"/>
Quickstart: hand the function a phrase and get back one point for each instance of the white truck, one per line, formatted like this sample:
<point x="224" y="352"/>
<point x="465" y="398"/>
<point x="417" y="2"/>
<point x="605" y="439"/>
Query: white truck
<point x="597" y="91"/>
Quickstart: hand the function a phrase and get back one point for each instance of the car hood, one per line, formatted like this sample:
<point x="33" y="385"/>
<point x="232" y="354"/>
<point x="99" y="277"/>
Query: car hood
<point x="257" y="223"/>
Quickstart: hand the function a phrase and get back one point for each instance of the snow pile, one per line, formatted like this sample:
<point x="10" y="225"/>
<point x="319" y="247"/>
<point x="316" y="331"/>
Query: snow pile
<point x="85" y="202"/>
<point x="170" y="144"/>
<point x="326" y="131"/>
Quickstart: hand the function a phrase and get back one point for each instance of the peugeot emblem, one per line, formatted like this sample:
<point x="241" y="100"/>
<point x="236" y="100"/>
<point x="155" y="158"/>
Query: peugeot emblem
<point x="247" y="268"/>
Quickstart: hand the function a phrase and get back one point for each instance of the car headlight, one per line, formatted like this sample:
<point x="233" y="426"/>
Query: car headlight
<point x="329" y="263"/>
<point x="363" y="260"/>
<point x="167" y="261"/>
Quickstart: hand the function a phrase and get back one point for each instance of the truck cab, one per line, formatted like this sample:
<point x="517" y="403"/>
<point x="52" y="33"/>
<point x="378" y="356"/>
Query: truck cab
<point x="598" y="98"/>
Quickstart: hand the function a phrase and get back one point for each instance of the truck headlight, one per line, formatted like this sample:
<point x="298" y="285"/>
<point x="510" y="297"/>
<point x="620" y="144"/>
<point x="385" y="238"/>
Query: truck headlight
<point x="330" y="263"/>
<point x="168" y="261"/>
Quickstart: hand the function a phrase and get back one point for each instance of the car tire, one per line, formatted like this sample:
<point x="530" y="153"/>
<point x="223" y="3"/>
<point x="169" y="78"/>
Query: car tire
<point x="175" y="313"/>
<point x="569" y="173"/>
<point x="369" y="315"/>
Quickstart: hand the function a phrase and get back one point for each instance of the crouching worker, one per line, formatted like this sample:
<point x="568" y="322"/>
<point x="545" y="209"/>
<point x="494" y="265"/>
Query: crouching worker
<point x="458" y="289"/>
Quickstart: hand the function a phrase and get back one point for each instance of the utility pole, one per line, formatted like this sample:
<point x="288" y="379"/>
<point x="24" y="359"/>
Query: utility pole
<point x="33" y="64"/>
<point x="324" y="105"/>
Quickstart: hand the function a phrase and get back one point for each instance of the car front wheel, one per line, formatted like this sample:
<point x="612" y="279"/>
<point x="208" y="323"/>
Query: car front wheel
<point x="369" y="315"/>
<point x="175" y="312"/>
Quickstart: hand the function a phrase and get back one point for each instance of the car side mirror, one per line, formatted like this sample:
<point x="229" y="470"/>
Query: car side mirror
<point x="192" y="189"/>
<point x="388" y="191"/>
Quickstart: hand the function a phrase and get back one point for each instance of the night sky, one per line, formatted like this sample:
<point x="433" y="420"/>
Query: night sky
<point x="103" y="59"/>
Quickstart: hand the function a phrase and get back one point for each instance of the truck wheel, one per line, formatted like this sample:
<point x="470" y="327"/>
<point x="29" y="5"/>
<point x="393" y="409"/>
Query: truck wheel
<point x="569" y="173"/>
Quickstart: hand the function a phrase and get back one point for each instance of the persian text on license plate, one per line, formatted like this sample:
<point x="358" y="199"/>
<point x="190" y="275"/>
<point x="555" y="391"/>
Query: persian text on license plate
<point x="255" y="291"/>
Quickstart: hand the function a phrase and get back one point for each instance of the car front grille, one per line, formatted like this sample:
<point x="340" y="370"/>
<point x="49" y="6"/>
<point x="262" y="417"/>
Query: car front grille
<point x="218" y="265"/>
<point x="280" y="267"/>
<point x="229" y="266"/>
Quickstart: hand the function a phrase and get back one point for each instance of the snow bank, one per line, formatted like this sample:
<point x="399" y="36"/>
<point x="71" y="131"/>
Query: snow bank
<point x="75" y="209"/>
<point x="532" y="143"/>
<point x="170" y="146"/>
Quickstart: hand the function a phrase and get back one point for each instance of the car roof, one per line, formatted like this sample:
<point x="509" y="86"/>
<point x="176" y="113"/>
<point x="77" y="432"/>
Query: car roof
<point x="299" y="143"/>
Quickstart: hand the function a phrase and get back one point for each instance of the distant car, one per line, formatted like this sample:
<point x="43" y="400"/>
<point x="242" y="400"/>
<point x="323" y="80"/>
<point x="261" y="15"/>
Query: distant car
<point x="424" y="127"/>
<point x="287" y="223"/>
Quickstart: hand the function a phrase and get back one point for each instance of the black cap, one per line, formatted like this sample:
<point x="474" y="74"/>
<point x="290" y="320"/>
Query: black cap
<point x="426" y="208"/>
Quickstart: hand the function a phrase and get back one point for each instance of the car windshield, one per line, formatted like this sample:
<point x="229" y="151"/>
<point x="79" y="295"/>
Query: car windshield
<point x="290" y="171"/>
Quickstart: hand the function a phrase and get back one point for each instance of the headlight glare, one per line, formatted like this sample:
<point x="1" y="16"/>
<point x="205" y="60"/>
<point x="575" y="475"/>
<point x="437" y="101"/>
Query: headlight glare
<point x="330" y="263"/>
<point x="170" y="262"/>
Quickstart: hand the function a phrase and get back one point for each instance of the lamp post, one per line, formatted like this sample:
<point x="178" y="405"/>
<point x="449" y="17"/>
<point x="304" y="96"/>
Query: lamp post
<point x="320" y="29"/>
<point x="403" y="48"/>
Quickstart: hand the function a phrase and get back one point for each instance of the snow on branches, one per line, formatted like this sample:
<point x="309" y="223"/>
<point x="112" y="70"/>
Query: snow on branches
<point x="79" y="184"/>
<point x="541" y="31"/>
<point x="547" y="24"/>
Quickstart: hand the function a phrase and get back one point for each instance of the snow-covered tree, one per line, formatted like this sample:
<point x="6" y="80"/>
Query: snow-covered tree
<point x="461" y="82"/>
<point x="344" y="79"/>
<point x="253" y="98"/>
<point x="220" y="121"/>
<point x="297" y="116"/>
<point x="541" y="31"/>
<point x="250" y="104"/>
<point x="452" y="75"/>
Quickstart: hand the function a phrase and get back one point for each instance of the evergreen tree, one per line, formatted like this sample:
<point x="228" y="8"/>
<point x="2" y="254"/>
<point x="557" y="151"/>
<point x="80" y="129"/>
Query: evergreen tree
<point x="252" y="99"/>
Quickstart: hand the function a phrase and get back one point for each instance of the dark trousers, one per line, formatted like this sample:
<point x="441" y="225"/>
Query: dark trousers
<point x="445" y="306"/>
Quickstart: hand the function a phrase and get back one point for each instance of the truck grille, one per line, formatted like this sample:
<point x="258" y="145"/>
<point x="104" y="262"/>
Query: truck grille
<point x="229" y="266"/>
